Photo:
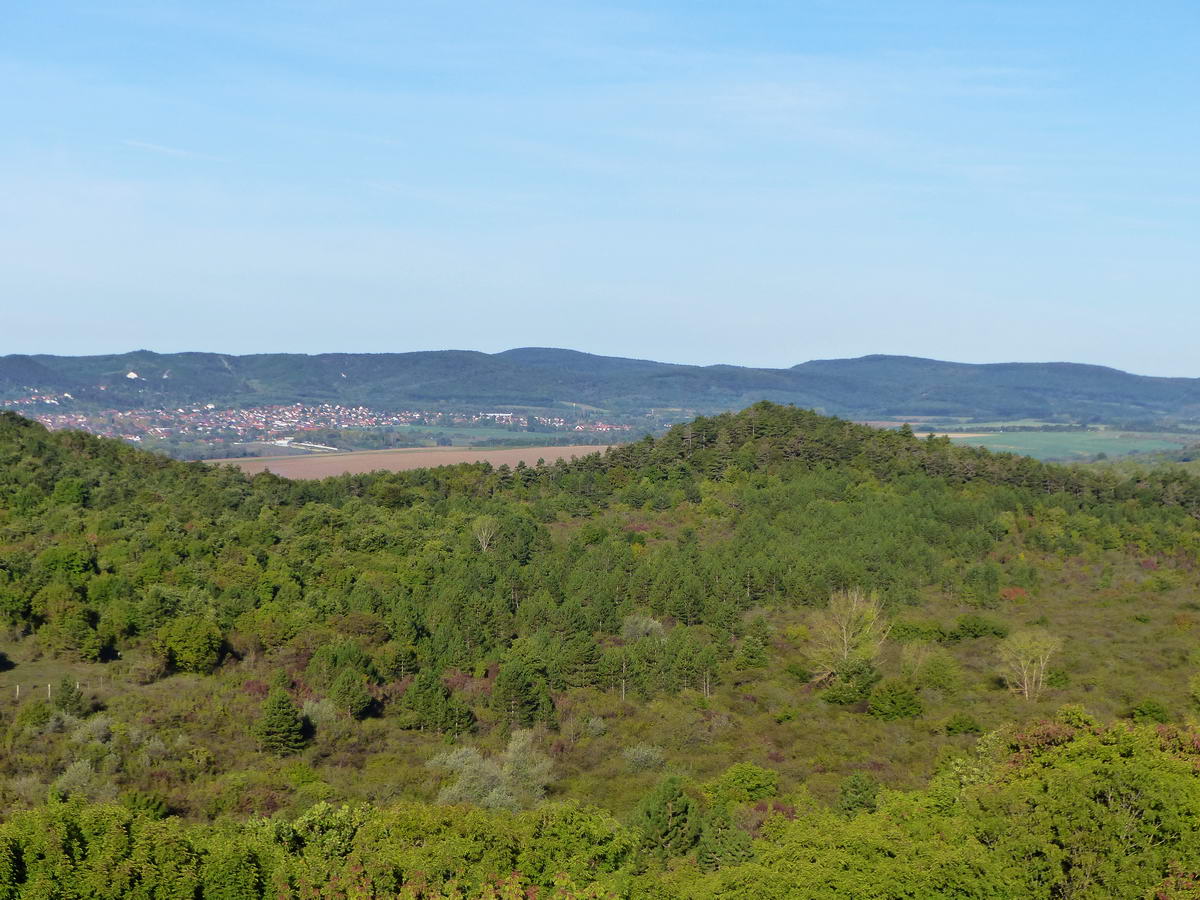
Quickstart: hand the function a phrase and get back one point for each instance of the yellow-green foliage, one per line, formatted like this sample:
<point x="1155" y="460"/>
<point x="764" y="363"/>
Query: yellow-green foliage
<point x="1048" y="811"/>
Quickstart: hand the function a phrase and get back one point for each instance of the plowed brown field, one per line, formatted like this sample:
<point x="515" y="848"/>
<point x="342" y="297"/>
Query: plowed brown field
<point x="325" y="464"/>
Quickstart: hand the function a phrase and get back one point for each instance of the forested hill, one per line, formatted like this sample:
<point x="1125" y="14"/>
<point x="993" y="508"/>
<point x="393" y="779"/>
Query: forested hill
<point x="860" y="388"/>
<point x="770" y="654"/>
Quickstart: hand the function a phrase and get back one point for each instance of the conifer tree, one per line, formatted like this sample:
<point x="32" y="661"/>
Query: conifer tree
<point x="752" y="655"/>
<point x="520" y="698"/>
<point x="349" y="693"/>
<point x="281" y="728"/>
<point x="706" y="668"/>
<point x="68" y="698"/>
<point x="669" y="819"/>
<point x="721" y="842"/>
<point x="427" y="704"/>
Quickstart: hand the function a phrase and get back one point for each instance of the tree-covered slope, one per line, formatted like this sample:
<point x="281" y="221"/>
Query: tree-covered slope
<point x="752" y="658"/>
<point x="870" y="386"/>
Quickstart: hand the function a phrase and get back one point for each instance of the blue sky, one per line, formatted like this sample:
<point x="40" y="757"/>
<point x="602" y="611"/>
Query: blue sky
<point x="758" y="182"/>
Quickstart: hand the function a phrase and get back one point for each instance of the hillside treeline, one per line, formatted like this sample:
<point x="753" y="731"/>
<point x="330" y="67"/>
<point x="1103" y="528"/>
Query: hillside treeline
<point x="105" y="547"/>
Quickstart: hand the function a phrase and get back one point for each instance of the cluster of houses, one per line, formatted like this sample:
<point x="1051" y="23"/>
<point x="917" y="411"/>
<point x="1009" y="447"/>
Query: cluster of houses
<point x="207" y="423"/>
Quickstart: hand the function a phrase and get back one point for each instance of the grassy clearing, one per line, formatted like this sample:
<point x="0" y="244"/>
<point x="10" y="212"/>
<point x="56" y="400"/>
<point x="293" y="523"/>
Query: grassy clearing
<point x="1075" y="445"/>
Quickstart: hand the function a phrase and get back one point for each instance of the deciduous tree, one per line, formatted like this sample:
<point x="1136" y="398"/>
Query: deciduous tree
<point x="851" y="628"/>
<point x="1024" y="658"/>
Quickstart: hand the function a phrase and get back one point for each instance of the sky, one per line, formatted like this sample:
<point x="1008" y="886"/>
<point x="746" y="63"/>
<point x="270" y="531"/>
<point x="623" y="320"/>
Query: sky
<point x="757" y="183"/>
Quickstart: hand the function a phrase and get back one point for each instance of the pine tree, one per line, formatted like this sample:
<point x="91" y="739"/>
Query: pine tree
<point x="68" y="698"/>
<point x="456" y="716"/>
<point x="669" y="819"/>
<point x="707" y="671"/>
<point x="519" y="698"/>
<point x="349" y="693"/>
<point x="752" y="655"/>
<point x="581" y="655"/>
<point x="281" y="728"/>
<point x="427" y="704"/>
<point x="419" y="707"/>
<point x="721" y="842"/>
<point x="545" y="704"/>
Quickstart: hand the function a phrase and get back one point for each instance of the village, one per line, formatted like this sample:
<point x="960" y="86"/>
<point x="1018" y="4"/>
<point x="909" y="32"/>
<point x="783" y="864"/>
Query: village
<point x="282" y="424"/>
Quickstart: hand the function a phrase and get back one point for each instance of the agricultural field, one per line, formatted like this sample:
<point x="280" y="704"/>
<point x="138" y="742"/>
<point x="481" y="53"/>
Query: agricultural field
<point x="327" y="464"/>
<point x="1076" y="446"/>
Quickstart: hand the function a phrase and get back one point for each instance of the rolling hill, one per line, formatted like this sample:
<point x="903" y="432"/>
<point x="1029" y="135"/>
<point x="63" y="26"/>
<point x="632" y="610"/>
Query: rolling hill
<point x="766" y="655"/>
<point x="869" y="386"/>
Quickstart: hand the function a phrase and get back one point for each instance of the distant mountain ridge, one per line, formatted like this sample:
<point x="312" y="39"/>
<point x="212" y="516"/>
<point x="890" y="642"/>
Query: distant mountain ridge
<point x="867" y="386"/>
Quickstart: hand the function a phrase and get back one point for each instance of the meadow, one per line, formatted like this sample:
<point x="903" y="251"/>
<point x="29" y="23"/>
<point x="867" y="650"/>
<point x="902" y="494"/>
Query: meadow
<point x="1073" y="446"/>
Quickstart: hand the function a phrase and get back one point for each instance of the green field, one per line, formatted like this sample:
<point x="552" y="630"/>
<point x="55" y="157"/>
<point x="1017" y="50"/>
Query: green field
<point x="1076" y="445"/>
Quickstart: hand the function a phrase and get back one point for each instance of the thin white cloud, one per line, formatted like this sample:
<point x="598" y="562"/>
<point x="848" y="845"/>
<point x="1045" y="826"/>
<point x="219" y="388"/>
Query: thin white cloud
<point x="171" y="151"/>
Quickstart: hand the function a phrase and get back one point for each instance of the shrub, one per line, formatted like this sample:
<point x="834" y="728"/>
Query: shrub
<point x="1150" y="711"/>
<point x="857" y="793"/>
<point x="929" y="666"/>
<point x="801" y="673"/>
<point x="961" y="723"/>
<point x="894" y="699"/>
<point x="515" y="779"/>
<point x="972" y="625"/>
<point x="1057" y="678"/>
<point x="853" y="683"/>
<point x="321" y="713"/>
<point x="81" y="780"/>
<point x="636" y="627"/>
<point x="905" y="630"/>
<point x="743" y="782"/>
<point x="149" y="666"/>
<point x="644" y="758"/>
<point x="96" y="730"/>
<point x="31" y="718"/>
